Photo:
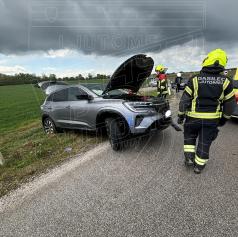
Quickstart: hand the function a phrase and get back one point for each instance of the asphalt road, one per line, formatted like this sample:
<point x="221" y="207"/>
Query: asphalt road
<point x="143" y="191"/>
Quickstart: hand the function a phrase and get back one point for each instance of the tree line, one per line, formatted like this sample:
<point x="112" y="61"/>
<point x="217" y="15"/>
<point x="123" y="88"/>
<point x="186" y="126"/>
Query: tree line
<point x="26" y="78"/>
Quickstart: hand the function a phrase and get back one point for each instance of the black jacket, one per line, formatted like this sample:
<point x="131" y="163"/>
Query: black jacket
<point x="208" y="95"/>
<point x="178" y="80"/>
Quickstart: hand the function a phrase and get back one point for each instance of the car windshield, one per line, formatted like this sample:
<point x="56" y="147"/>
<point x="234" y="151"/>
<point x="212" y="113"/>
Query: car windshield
<point x="99" y="88"/>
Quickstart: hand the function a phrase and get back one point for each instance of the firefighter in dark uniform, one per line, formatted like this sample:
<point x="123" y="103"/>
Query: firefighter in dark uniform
<point x="178" y="81"/>
<point x="207" y="103"/>
<point x="162" y="84"/>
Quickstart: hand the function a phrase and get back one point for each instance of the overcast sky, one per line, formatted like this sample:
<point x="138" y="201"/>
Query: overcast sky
<point x="67" y="37"/>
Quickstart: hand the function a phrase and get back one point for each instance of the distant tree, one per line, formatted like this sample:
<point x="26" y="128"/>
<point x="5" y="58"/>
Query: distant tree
<point x="52" y="77"/>
<point x="79" y="77"/>
<point x="102" y="76"/>
<point x="90" y="76"/>
<point x="44" y="77"/>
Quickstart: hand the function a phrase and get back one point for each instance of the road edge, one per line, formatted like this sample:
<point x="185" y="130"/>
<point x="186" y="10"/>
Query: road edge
<point x="18" y="196"/>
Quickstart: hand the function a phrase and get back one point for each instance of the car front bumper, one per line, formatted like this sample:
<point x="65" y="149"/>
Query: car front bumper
<point x="148" y="123"/>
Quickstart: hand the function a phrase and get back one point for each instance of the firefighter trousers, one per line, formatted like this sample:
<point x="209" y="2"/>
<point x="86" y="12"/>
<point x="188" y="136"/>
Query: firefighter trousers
<point x="162" y="89"/>
<point x="200" y="132"/>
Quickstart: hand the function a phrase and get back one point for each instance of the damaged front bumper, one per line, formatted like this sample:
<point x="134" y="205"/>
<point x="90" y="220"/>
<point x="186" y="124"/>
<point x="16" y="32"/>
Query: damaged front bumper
<point x="149" y="123"/>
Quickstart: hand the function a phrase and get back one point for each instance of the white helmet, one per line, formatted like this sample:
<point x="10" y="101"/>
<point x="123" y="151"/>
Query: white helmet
<point x="179" y="74"/>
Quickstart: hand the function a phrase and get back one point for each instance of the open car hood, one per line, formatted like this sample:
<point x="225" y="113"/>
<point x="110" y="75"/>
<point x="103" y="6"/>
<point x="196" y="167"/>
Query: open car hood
<point x="131" y="74"/>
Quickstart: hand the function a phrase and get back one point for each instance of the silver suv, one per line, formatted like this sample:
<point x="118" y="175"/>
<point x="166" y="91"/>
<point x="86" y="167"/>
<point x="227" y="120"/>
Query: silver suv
<point x="117" y="106"/>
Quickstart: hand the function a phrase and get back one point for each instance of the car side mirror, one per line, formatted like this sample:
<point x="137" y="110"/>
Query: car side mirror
<point x="84" y="97"/>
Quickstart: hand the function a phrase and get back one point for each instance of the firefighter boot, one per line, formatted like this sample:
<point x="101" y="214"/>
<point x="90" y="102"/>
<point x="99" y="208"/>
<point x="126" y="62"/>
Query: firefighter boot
<point x="189" y="159"/>
<point x="189" y="162"/>
<point x="198" y="168"/>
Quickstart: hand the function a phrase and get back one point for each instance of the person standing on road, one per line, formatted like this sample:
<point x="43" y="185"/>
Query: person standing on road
<point x="162" y="84"/>
<point x="207" y="103"/>
<point x="178" y="81"/>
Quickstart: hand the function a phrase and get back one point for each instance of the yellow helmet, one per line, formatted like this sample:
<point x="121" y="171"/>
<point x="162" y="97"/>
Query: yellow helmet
<point x="160" y="68"/>
<point x="217" y="57"/>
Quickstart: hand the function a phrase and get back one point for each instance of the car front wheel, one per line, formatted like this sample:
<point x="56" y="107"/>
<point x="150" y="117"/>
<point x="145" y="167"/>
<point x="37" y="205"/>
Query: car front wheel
<point x="49" y="126"/>
<point x="117" y="132"/>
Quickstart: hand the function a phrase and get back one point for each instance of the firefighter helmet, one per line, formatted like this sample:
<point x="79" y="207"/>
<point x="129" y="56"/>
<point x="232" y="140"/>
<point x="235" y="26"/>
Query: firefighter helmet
<point x="217" y="57"/>
<point x="160" y="68"/>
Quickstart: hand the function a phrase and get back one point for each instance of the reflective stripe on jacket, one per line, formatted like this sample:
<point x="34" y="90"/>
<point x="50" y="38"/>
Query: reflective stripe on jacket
<point x="162" y="87"/>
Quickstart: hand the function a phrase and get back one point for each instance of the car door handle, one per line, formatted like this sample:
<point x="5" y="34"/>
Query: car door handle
<point x="48" y="107"/>
<point x="67" y="107"/>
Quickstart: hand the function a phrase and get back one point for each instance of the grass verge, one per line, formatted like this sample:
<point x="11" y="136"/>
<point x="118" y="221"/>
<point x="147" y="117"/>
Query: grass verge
<point x="28" y="151"/>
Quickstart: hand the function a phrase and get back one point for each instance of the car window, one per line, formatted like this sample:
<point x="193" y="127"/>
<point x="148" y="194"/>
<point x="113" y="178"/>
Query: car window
<point x="49" y="98"/>
<point x="60" y="96"/>
<point x="45" y="85"/>
<point x="74" y="92"/>
<point x="95" y="88"/>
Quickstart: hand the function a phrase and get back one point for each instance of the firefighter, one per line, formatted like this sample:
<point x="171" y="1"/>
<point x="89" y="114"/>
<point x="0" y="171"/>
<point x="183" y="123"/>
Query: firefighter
<point x="162" y="84"/>
<point x="207" y="103"/>
<point x="178" y="81"/>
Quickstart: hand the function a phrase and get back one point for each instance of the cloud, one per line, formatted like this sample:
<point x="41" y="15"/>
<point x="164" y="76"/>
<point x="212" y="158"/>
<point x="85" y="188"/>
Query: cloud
<point x="11" y="70"/>
<point x="3" y="61"/>
<point x="113" y="28"/>
<point x="49" y="69"/>
<point x="189" y="56"/>
<point x="60" y="53"/>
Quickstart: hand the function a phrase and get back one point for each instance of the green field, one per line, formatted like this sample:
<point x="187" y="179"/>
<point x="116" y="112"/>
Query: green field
<point x="26" y="149"/>
<point x="19" y="105"/>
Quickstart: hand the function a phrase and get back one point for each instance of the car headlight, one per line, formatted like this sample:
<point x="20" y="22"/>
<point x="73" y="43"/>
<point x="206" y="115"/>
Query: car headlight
<point x="168" y="114"/>
<point x="139" y="106"/>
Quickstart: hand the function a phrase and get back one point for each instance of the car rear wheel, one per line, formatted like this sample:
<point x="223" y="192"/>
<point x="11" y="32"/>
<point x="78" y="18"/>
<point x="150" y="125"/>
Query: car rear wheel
<point x="49" y="126"/>
<point x="117" y="132"/>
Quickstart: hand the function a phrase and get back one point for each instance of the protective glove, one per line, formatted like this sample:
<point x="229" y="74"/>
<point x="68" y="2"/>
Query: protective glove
<point x="180" y="119"/>
<point x="222" y="122"/>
